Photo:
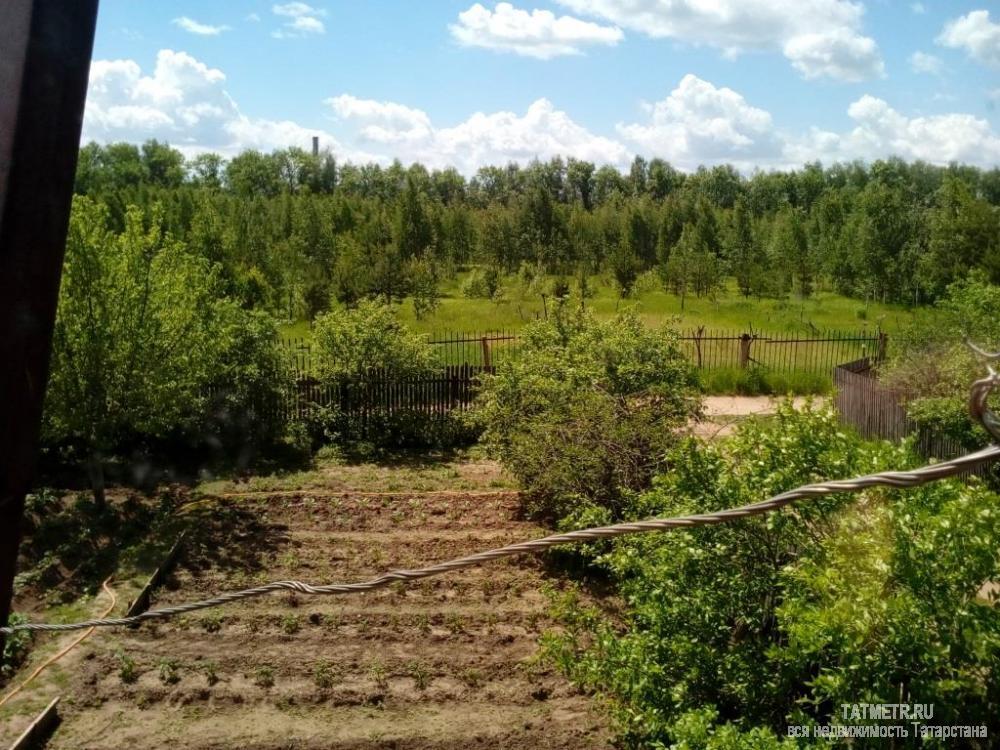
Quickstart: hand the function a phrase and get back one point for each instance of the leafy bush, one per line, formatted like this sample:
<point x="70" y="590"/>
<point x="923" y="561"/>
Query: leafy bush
<point x="352" y="342"/>
<point x="586" y="409"/>
<point x="144" y="334"/>
<point x="483" y="284"/>
<point x="251" y="379"/>
<point x="732" y="632"/>
<point x="355" y="346"/>
<point x="16" y="646"/>
<point x="934" y="368"/>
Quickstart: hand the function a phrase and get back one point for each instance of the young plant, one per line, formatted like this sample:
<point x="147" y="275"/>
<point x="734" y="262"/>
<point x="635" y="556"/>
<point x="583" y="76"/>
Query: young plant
<point x="263" y="676"/>
<point x="378" y="674"/>
<point x="324" y="674"/>
<point x="127" y="671"/>
<point x="420" y="674"/>
<point x="169" y="670"/>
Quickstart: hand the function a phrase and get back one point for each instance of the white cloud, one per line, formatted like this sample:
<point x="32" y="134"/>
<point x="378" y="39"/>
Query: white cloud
<point x="540" y="33"/>
<point x="820" y="37"/>
<point x="201" y="29"/>
<point x="839" y="54"/>
<point x="395" y="130"/>
<point x="253" y="18"/>
<point x="918" y="8"/>
<point x="921" y="62"/>
<point x="882" y="131"/>
<point x="185" y="102"/>
<point x="302" y="20"/>
<point x="975" y="33"/>
<point x="701" y="124"/>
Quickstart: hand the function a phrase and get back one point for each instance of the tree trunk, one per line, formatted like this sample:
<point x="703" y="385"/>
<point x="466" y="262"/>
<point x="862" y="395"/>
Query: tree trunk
<point x="95" y="470"/>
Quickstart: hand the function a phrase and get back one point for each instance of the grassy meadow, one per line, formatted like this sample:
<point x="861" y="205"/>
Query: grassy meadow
<point x="824" y="310"/>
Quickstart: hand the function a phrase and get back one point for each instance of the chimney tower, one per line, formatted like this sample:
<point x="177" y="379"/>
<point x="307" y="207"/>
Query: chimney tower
<point x="316" y="145"/>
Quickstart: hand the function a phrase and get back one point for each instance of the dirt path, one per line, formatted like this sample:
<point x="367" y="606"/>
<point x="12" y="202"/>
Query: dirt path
<point x="723" y="413"/>
<point x="446" y="663"/>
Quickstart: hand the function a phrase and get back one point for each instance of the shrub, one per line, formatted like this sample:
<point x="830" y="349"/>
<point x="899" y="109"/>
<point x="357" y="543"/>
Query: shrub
<point x="351" y="342"/>
<point x="483" y="284"/>
<point x="933" y="368"/>
<point x="732" y="632"/>
<point x="586" y="410"/>
<point x="356" y="345"/>
<point x="15" y="646"/>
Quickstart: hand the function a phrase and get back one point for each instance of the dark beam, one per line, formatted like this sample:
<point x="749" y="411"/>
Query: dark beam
<point x="45" y="49"/>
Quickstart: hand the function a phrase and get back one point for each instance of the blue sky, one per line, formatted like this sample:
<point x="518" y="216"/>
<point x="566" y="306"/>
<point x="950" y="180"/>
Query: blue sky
<point x="756" y="83"/>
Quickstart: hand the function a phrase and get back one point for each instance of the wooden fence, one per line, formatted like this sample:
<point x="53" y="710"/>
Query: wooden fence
<point x="378" y="395"/>
<point x="708" y="349"/>
<point x="879" y="412"/>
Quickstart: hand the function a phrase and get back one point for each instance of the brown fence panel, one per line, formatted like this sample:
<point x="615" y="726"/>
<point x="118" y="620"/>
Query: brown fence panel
<point x="878" y="412"/>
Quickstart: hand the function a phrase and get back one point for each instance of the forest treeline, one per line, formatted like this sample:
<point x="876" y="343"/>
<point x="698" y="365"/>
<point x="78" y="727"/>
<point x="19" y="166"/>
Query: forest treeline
<point x="293" y="233"/>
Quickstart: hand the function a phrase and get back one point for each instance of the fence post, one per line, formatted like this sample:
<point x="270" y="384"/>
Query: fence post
<point x="745" y="340"/>
<point x="487" y="359"/>
<point x="883" y="339"/>
<point x="697" y="344"/>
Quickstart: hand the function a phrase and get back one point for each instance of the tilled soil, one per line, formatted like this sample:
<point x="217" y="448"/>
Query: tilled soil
<point x="448" y="662"/>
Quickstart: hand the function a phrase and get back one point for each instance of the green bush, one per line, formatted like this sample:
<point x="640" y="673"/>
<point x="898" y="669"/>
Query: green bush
<point x="16" y="646"/>
<point x="355" y="345"/>
<point x="586" y="410"/>
<point x="733" y="632"/>
<point x="352" y="342"/>
<point x="934" y="368"/>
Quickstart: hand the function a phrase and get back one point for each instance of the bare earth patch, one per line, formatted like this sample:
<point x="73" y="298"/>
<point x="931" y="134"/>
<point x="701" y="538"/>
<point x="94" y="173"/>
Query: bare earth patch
<point x="450" y="662"/>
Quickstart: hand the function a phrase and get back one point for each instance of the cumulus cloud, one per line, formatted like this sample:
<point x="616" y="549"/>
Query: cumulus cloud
<point x="821" y="38"/>
<point x="395" y="130"/>
<point x="918" y="8"/>
<point x="301" y="20"/>
<point x="540" y="33"/>
<point x="921" y="62"/>
<point x="881" y="131"/>
<point x="839" y="54"/>
<point x="699" y="123"/>
<point x="183" y="101"/>
<point x="976" y="34"/>
<point x="201" y="29"/>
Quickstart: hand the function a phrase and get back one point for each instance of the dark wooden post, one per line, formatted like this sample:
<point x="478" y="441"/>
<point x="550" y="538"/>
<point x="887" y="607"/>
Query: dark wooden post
<point x="883" y="342"/>
<point x="745" y="340"/>
<point x="45" y="49"/>
<point x="487" y="354"/>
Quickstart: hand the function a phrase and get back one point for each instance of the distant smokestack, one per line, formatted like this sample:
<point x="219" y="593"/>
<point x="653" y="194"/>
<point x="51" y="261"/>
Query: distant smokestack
<point x="315" y="145"/>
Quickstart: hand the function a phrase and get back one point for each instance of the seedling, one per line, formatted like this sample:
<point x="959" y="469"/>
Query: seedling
<point x="211" y="675"/>
<point x="378" y="674"/>
<point x="126" y="668"/>
<point x="290" y="624"/>
<point x="169" y="671"/>
<point x="263" y="676"/>
<point x="420" y="674"/>
<point x="324" y="675"/>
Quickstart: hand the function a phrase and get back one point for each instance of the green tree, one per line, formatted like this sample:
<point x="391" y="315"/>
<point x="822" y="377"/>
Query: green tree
<point x="134" y="339"/>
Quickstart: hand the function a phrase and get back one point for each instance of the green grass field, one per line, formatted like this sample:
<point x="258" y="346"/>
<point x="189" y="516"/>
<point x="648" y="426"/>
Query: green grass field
<point x="729" y="310"/>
